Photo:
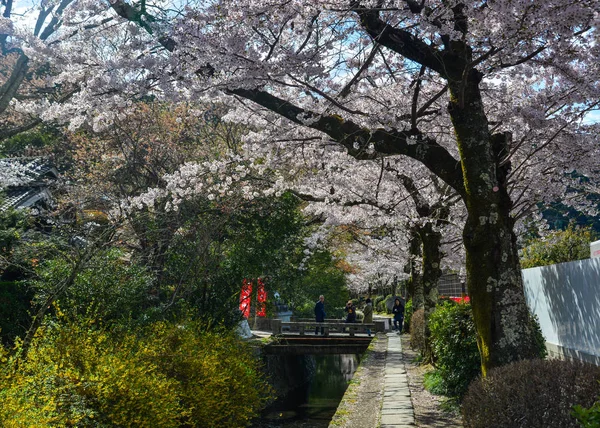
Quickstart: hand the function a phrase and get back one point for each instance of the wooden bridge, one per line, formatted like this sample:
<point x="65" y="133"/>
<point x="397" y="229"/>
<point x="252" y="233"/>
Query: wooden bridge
<point x="317" y="345"/>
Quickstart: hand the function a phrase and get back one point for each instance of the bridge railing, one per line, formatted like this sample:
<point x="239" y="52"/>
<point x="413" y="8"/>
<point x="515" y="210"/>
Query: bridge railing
<point x="309" y="327"/>
<point x="327" y="320"/>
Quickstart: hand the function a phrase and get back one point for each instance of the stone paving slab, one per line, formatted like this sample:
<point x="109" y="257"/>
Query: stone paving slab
<point x="396" y="426"/>
<point x="397" y="410"/>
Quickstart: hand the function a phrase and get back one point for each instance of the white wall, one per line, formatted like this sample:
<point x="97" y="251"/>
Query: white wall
<point x="566" y="299"/>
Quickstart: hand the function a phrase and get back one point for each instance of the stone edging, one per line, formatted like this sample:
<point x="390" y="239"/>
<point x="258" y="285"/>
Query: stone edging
<point x="355" y="401"/>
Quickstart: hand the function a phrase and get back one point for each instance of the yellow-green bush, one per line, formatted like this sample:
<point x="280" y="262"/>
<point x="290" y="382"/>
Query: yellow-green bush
<point x="171" y="376"/>
<point x="77" y="375"/>
<point x="220" y="380"/>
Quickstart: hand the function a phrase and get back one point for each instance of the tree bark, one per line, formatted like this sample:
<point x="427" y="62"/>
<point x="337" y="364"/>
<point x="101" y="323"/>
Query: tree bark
<point x="416" y="284"/>
<point x="432" y="272"/>
<point x="493" y="269"/>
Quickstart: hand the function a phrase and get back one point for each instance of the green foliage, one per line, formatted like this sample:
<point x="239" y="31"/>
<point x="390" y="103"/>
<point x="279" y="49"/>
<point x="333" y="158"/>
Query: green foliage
<point x="540" y="340"/>
<point x="408" y="313"/>
<point x="454" y="345"/>
<point x="435" y="383"/>
<point x="40" y="138"/>
<point x="108" y="286"/>
<point x="531" y="393"/>
<point x="559" y="247"/>
<point x="14" y="294"/>
<point x="14" y="310"/>
<point x="381" y="306"/>
<point x="79" y="374"/>
<point x="13" y="228"/>
<point x="322" y="275"/>
<point x="590" y="417"/>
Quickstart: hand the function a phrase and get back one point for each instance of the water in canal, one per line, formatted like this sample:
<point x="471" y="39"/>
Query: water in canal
<point x="314" y="404"/>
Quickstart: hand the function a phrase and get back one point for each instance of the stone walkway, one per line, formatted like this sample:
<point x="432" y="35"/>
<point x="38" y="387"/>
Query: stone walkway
<point x="397" y="409"/>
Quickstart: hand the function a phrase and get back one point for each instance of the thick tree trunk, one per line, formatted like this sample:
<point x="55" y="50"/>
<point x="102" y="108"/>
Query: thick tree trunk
<point x="432" y="257"/>
<point x="496" y="289"/>
<point x="493" y="270"/>
<point x="416" y="283"/>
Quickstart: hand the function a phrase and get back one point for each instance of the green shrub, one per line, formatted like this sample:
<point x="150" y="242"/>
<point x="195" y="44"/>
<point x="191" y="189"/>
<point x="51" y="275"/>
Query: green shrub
<point x="107" y="286"/>
<point x="376" y="301"/>
<point x="588" y="418"/>
<point x="417" y="331"/>
<point x="435" y="383"/>
<point x="531" y="393"/>
<point x="454" y="346"/>
<point x="540" y="340"/>
<point x="408" y="312"/>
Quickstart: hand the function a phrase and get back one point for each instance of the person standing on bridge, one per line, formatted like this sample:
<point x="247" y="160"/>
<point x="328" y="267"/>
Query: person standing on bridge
<point x="351" y="310"/>
<point x="368" y="311"/>
<point x="320" y="314"/>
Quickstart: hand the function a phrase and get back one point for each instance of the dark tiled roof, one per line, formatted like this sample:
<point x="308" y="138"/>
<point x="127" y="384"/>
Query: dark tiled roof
<point x="31" y="169"/>
<point x="32" y="188"/>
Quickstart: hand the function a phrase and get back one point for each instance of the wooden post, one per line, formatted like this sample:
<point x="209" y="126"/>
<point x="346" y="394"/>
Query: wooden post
<point x="276" y="326"/>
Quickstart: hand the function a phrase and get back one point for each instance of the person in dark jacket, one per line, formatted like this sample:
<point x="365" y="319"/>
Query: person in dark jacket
<point x="398" y="311"/>
<point x="351" y="311"/>
<point x="320" y="313"/>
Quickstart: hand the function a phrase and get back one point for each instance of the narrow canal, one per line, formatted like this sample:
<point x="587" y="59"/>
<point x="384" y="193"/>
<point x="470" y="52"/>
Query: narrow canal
<point x="313" y="404"/>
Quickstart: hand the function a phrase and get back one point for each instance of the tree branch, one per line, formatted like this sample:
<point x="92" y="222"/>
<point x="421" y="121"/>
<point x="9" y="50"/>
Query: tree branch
<point x="346" y="90"/>
<point x="11" y="86"/>
<point x="357" y="139"/>
<point x="400" y="41"/>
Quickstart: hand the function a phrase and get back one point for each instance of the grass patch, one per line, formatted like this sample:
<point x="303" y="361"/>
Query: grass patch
<point x="434" y="383"/>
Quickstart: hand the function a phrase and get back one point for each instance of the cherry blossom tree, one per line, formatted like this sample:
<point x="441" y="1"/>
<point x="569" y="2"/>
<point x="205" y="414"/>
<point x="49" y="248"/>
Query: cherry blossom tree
<point x="490" y="97"/>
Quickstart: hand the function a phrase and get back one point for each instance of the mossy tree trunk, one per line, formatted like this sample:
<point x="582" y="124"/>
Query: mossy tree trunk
<point x="493" y="270"/>
<point x="432" y="257"/>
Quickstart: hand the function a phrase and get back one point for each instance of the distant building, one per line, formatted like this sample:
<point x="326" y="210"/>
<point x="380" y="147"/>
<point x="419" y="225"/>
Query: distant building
<point x="27" y="184"/>
<point x="451" y="285"/>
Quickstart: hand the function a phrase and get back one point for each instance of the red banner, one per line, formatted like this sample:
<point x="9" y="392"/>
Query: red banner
<point x="261" y="296"/>
<point x="245" y="297"/>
